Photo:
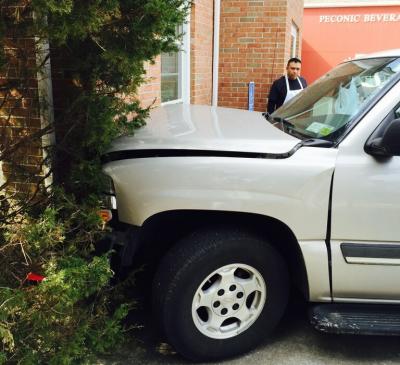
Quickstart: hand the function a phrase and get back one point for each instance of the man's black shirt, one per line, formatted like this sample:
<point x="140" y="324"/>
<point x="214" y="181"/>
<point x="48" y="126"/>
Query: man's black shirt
<point x="278" y="91"/>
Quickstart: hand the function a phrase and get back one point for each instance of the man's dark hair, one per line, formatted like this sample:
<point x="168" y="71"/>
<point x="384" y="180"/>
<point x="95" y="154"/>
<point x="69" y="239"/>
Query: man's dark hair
<point x="294" y="59"/>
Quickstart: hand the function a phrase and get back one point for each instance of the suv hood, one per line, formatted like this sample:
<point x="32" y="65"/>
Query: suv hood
<point x="199" y="127"/>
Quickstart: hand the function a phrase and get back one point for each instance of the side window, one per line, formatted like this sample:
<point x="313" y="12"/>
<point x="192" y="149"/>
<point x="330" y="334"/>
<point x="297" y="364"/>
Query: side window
<point x="393" y="114"/>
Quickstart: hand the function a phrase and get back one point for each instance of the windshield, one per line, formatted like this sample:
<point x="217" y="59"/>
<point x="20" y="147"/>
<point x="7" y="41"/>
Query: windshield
<point x="326" y="108"/>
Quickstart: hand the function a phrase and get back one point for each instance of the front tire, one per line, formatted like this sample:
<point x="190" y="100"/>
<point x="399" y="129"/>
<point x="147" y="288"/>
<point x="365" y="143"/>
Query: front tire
<point x="219" y="292"/>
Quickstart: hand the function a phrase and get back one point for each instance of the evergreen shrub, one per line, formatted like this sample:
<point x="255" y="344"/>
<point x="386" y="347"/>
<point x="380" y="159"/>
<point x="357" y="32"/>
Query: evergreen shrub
<point x="98" y="49"/>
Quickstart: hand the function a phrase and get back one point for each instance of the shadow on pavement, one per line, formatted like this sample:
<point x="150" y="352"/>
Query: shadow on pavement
<point x="294" y="342"/>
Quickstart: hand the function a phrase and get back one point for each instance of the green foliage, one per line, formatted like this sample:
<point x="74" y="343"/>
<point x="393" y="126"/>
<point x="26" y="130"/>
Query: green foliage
<point x="69" y="316"/>
<point x="99" y="48"/>
<point x="103" y="45"/>
<point x="65" y="318"/>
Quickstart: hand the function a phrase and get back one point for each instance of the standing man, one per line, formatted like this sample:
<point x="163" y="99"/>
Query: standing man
<point x="286" y="87"/>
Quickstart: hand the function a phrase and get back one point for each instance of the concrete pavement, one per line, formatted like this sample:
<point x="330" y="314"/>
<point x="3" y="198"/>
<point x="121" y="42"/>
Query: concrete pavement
<point x="294" y="343"/>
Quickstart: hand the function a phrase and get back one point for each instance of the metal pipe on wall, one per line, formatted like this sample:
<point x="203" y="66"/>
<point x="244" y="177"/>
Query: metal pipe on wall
<point x="217" y="12"/>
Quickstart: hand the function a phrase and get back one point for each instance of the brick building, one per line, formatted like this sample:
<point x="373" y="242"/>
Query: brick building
<point x="226" y="45"/>
<point x="23" y="118"/>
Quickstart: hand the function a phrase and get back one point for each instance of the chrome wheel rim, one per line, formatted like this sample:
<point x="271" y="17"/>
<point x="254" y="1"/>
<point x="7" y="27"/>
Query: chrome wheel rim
<point x="228" y="301"/>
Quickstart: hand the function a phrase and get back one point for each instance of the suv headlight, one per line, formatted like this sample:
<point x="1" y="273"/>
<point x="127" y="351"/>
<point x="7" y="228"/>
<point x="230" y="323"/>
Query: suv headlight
<point x="109" y="200"/>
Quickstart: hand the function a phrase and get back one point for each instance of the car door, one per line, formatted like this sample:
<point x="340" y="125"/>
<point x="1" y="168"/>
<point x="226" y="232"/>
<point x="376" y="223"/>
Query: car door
<point x="365" y="211"/>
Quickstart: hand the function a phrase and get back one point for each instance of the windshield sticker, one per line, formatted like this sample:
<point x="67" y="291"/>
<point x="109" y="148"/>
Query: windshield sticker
<point x="320" y="129"/>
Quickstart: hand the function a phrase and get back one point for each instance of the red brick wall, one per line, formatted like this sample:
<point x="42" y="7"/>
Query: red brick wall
<point x="201" y="48"/>
<point x="151" y="91"/>
<point x="20" y="167"/>
<point x="254" y="46"/>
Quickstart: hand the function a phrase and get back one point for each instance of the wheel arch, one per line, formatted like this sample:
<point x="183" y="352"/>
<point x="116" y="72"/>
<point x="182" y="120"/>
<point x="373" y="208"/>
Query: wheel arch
<point x="160" y="231"/>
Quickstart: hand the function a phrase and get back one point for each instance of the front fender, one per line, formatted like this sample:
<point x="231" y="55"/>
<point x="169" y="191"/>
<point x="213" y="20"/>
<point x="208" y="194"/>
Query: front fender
<point x="294" y="190"/>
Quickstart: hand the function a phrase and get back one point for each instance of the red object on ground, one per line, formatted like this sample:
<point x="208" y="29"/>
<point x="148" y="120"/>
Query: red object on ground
<point x="34" y="277"/>
<point x="105" y="215"/>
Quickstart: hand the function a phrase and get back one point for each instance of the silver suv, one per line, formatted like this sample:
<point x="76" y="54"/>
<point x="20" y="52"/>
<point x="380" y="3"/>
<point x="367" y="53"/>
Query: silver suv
<point x="241" y="207"/>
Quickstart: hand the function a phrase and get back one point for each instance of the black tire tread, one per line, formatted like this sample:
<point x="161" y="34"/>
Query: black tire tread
<point x="190" y="250"/>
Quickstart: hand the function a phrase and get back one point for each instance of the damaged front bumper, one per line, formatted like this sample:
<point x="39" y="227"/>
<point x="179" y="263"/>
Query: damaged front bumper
<point x="122" y="240"/>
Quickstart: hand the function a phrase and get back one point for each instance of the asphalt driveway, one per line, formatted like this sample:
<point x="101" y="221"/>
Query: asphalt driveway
<point x="294" y="343"/>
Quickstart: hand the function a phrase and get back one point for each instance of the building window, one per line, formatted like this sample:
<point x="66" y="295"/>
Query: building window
<point x="171" y="76"/>
<point x="175" y="71"/>
<point x="294" y="39"/>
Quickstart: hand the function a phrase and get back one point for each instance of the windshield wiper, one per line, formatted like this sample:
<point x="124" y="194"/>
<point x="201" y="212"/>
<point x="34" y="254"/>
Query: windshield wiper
<point x="290" y="128"/>
<point x="317" y="142"/>
<point x="284" y="124"/>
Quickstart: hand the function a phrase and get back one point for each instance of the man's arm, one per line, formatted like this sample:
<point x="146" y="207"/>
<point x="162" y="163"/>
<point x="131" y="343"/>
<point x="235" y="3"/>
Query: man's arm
<point x="273" y="98"/>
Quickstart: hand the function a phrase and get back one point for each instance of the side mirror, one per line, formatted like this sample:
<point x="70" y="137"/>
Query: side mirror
<point x="388" y="144"/>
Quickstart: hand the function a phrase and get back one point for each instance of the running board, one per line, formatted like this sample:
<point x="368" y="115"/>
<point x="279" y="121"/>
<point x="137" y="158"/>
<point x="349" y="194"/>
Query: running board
<point x="360" y="319"/>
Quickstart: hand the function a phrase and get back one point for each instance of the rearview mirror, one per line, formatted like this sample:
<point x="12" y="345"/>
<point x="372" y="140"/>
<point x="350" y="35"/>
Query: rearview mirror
<point x="388" y="144"/>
